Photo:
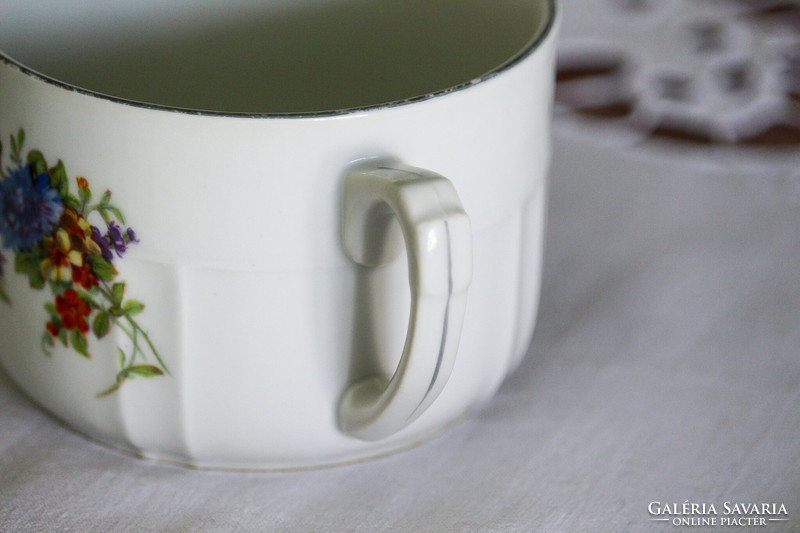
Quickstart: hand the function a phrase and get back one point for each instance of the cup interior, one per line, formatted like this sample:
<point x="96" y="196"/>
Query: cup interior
<point x="273" y="57"/>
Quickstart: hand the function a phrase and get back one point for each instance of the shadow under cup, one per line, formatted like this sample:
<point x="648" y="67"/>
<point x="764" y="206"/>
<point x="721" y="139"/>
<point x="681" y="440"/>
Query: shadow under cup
<point x="278" y="57"/>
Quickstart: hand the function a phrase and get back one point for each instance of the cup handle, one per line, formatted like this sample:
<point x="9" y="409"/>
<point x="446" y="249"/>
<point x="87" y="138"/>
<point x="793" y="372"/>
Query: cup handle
<point x="438" y="242"/>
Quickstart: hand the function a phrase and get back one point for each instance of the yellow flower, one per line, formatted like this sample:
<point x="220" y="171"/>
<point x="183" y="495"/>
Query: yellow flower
<point x="53" y="272"/>
<point x="61" y="257"/>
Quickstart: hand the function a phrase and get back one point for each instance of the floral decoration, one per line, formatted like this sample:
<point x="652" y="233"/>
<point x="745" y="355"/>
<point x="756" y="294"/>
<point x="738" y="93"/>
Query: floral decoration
<point x="67" y="242"/>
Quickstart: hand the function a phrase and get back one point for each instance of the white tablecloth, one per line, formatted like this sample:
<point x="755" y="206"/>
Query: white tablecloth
<point x="665" y="367"/>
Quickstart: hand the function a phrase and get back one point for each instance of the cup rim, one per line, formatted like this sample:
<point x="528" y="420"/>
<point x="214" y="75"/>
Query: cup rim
<point x="530" y="47"/>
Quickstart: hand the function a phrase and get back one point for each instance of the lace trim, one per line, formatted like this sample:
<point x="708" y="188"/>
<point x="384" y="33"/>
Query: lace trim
<point x="699" y="71"/>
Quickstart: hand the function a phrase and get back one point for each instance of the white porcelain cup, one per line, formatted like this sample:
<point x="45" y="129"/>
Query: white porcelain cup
<point x="270" y="234"/>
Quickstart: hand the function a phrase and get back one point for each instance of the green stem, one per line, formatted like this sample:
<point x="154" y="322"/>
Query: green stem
<point x="135" y="350"/>
<point x="105" y="291"/>
<point x="97" y="207"/>
<point x="149" y="342"/>
<point x="123" y="328"/>
<point x="134" y="333"/>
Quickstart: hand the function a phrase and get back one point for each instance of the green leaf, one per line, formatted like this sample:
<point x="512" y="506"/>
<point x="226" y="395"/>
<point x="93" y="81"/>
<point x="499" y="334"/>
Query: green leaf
<point x="101" y="324"/>
<point x="37" y="162"/>
<point x="62" y="336"/>
<point x="4" y="296"/>
<point x="57" y="287"/>
<point x="121" y="357"/>
<point x="133" y="307"/>
<point x="20" y="138"/>
<point x="103" y="269"/>
<point x="25" y="262"/>
<point x="147" y="371"/>
<point x="70" y="201"/>
<point x="14" y="146"/>
<point x="48" y="339"/>
<point x="59" y="179"/>
<point x="79" y="343"/>
<point x="117" y="293"/>
<point x="85" y="195"/>
<point x="47" y="343"/>
<point x="105" y="198"/>
<point x="117" y="213"/>
<point x="50" y="307"/>
<point x="35" y="280"/>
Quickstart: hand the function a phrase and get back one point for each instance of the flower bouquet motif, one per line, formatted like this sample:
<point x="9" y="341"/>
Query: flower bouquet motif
<point x="68" y="242"/>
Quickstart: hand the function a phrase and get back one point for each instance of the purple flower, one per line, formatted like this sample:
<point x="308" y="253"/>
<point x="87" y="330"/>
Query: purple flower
<point x="117" y="240"/>
<point x="103" y="243"/>
<point x="114" y="240"/>
<point x="29" y="208"/>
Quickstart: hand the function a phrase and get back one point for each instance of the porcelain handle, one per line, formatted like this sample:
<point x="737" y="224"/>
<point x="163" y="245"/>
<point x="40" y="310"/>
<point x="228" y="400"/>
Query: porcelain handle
<point x="438" y="242"/>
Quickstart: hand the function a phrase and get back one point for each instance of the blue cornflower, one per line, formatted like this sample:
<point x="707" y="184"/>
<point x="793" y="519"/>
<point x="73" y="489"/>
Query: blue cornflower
<point x="29" y="208"/>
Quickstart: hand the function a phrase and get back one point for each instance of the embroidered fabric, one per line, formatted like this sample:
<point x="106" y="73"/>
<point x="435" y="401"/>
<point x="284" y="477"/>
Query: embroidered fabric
<point x="703" y="72"/>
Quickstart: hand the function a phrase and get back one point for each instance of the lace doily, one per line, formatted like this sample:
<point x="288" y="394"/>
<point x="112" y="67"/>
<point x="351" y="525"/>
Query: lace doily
<point x="702" y="72"/>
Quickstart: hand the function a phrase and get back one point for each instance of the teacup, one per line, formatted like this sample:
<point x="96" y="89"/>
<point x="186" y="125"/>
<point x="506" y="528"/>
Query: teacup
<point x="274" y="234"/>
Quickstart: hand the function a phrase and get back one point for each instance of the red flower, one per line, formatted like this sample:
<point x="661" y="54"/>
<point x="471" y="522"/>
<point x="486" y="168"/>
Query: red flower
<point x="53" y="329"/>
<point x="83" y="183"/>
<point x="84" y="276"/>
<point x="73" y="310"/>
